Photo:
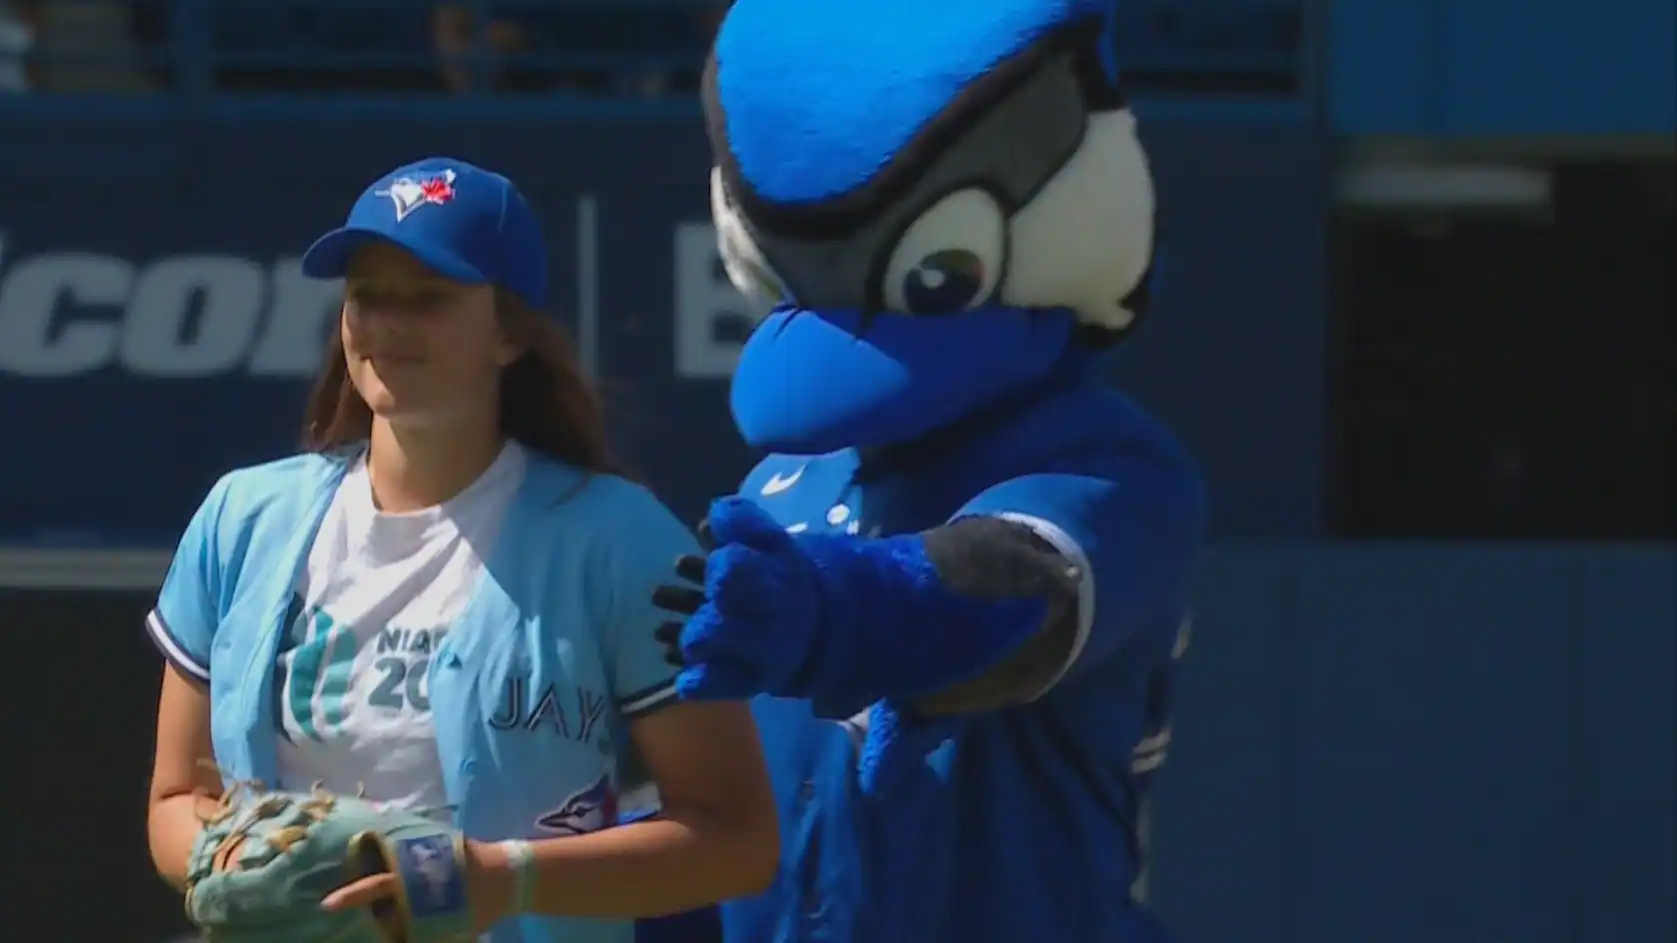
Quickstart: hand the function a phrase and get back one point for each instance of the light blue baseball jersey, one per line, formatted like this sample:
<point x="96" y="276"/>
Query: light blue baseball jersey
<point x="1025" y="825"/>
<point x="533" y="686"/>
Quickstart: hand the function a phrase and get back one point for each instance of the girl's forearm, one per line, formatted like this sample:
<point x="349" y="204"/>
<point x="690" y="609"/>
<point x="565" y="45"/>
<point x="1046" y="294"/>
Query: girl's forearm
<point x="173" y="825"/>
<point x="651" y="868"/>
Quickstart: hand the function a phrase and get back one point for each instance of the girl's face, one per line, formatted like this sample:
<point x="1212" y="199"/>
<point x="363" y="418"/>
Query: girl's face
<point x="420" y="349"/>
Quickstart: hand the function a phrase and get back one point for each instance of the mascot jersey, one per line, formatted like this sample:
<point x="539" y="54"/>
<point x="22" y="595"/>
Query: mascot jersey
<point x="958" y="581"/>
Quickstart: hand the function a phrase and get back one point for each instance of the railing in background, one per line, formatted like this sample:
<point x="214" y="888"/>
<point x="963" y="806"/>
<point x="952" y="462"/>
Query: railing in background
<point x="576" y="51"/>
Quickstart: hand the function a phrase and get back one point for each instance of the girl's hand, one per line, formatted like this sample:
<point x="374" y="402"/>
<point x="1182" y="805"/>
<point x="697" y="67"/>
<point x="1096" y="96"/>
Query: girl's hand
<point x="488" y="887"/>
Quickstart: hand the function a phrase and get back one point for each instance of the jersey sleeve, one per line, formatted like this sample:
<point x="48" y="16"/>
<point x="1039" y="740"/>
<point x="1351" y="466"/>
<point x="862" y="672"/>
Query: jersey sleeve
<point x="651" y="539"/>
<point x="182" y="623"/>
<point x="1131" y="531"/>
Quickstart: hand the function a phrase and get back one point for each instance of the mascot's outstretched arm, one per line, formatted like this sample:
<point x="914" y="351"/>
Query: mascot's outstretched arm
<point x="991" y="608"/>
<point x="845" y="621"/>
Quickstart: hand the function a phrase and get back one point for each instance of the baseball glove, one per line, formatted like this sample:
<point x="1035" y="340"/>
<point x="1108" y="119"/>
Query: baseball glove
<point x="265" y="860"/>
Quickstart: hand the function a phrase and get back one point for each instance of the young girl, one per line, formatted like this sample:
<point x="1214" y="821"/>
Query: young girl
<point x="445" y="601"/>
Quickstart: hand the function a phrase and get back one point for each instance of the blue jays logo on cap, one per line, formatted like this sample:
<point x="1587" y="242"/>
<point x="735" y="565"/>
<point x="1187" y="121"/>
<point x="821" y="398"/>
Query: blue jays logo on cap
<point x="411" y="193"/>
<point x="482" y="232"/>
<point x="583" y="811"/>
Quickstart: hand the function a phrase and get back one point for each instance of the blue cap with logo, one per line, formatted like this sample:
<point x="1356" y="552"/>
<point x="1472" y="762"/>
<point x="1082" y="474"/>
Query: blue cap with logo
<point x="463" y="222"/>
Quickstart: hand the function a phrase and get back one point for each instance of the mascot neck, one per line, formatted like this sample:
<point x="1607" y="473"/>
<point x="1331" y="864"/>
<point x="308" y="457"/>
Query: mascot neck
<point x="882" y="460"/>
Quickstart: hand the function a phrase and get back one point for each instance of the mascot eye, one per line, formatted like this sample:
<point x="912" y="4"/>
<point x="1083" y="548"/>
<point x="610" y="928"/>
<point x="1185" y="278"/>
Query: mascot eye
<point x="946" y="280"/>
<point x="950" y="259"/>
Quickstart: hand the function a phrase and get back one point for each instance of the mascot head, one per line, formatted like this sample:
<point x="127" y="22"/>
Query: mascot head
<point x="942" y="202"/>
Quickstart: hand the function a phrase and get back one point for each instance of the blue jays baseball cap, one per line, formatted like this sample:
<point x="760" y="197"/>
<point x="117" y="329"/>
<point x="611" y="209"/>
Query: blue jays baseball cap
<point x="463" y="222"/>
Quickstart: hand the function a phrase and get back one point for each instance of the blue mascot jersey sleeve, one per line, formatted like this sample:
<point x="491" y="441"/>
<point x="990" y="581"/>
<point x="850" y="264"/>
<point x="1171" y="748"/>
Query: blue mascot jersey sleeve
<point x="1131" y="530"/>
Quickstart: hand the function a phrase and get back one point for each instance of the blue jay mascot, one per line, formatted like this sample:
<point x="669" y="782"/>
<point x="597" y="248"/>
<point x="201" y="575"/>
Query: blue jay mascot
<point x="955" y="587"/>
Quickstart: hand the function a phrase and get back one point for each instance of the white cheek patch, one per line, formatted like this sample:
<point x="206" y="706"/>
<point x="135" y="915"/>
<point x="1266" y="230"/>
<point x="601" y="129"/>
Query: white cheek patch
<point x="1086" y="240"/>
<point x="741" y="258"/>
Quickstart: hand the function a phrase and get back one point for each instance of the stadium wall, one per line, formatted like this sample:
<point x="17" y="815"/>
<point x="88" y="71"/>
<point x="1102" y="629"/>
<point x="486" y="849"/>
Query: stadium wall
<point x="153" y="322"/>
<point x="1426" y="743"/>
<point x="1377" y="743"/>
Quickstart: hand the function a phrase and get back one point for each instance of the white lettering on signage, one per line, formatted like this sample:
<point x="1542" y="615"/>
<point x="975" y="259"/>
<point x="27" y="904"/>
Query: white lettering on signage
<point x="712" y="318"/>
<point x="69" y="313"/>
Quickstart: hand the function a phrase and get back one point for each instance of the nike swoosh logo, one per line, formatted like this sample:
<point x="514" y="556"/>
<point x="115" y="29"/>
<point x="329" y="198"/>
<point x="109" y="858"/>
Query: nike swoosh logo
<point x="778" y="483"/>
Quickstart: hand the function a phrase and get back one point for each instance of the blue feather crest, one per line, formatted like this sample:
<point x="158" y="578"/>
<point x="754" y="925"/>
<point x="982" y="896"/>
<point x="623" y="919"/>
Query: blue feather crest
<point x="817" y="97"/>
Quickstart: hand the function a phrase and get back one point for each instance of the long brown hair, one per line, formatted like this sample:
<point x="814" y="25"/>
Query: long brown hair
<point x="547" y="404"/>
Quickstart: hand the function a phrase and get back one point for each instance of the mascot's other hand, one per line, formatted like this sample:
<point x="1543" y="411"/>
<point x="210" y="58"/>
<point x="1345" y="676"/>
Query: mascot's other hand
<point x="752" y="627"/>
<point x="899" y="744"/>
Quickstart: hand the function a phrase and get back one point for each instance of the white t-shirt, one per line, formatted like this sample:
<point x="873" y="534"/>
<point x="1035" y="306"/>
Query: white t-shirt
<point x="378" y="594"/>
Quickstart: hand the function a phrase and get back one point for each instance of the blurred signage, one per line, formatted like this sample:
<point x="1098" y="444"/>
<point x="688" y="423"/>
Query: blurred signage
<point x="156" y="330"/>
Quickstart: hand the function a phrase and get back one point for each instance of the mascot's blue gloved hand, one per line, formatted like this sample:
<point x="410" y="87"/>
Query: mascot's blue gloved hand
<point x="752" y="625"/>
<point x="839" y="619"/>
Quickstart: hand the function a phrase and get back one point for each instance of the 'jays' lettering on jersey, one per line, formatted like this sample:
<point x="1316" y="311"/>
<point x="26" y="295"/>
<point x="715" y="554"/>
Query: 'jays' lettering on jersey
<point x="548" y="656"/>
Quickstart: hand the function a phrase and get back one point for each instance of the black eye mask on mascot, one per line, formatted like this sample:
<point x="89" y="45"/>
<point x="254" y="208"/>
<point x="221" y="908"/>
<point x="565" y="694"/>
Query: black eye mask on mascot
<point x="959" y="573"/>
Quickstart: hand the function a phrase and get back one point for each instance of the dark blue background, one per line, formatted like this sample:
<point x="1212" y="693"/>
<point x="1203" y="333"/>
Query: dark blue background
<point x="1498" y="68"/>
<point x="1232" y="356"/>
<point x="1426" y="743"/>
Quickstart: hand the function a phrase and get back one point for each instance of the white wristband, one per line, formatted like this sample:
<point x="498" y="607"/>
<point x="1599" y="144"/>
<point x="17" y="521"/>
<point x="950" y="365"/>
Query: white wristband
<point x="522" y="861"/>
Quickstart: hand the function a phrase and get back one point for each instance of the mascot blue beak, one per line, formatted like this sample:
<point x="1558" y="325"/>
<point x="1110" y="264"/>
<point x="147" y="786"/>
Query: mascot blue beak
<point x="815" y="381"/>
